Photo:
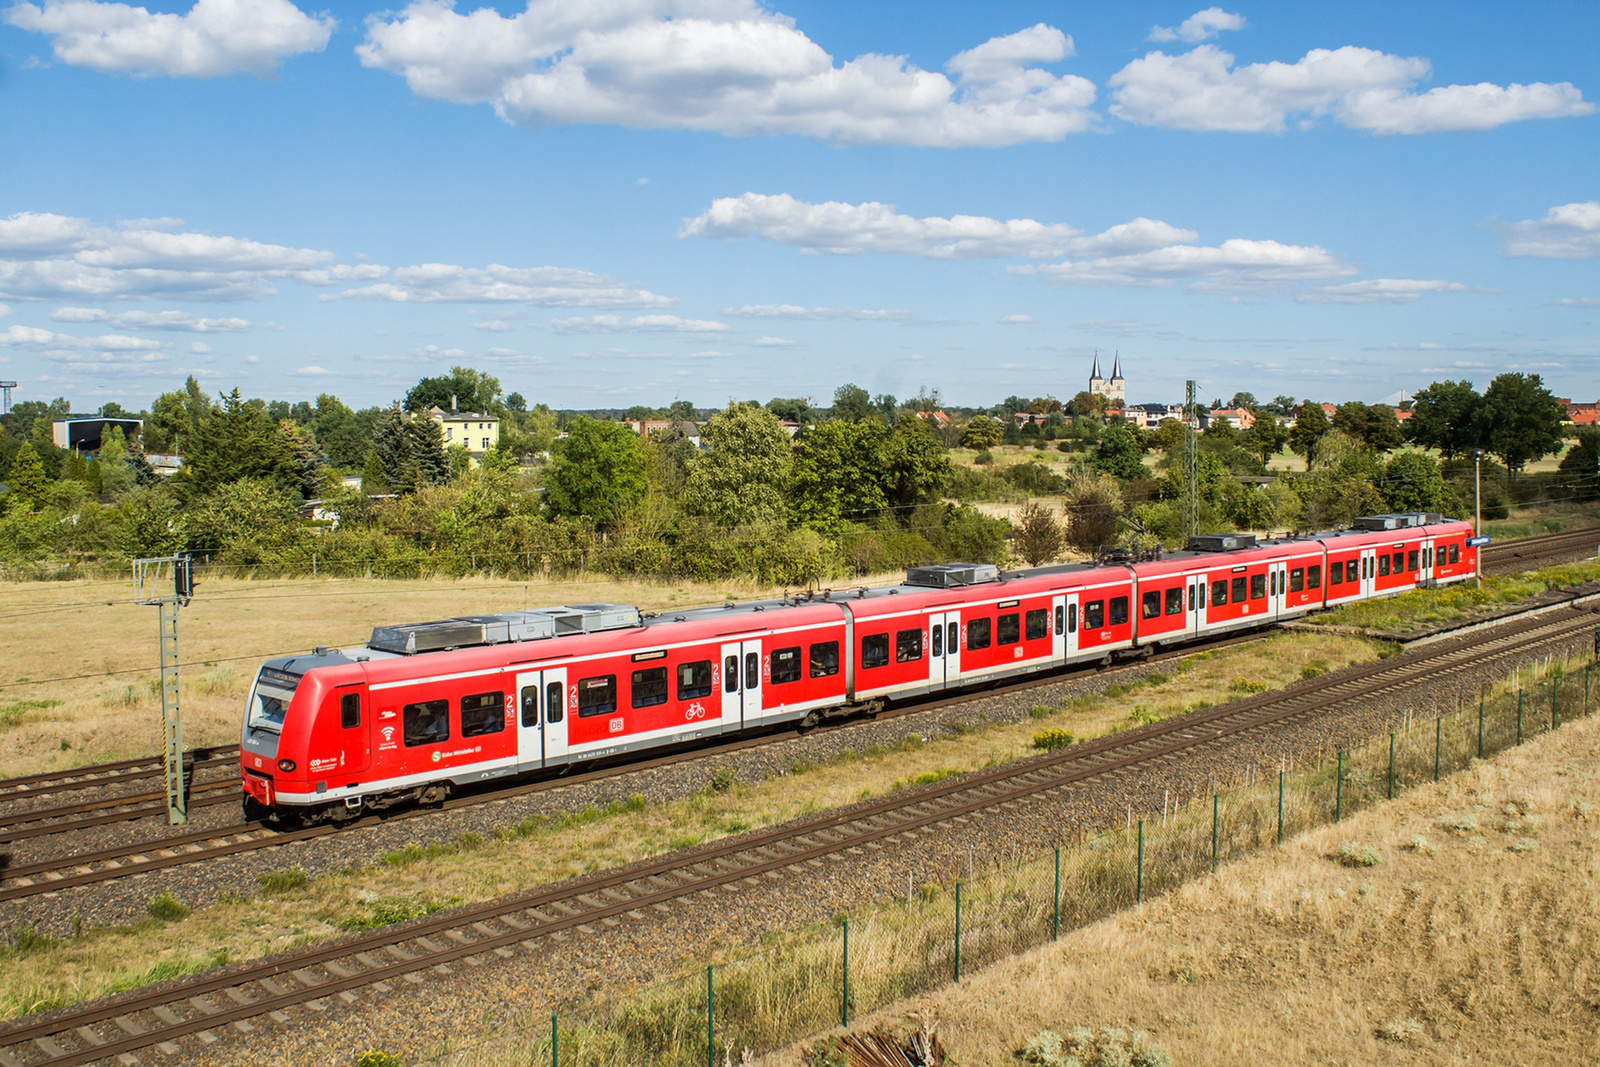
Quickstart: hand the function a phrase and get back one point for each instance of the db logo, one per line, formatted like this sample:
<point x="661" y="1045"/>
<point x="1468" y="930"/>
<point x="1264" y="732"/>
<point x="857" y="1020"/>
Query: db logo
<point x="694" y="711"/>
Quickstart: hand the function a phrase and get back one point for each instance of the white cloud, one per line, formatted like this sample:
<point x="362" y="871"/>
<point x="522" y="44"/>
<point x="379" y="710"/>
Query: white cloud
<point x="1236" y="265"/>
<point x="1123" y="326"/>
<point x="1016" y="320"/>
<point x="1358" y="87"/>
<point x="165" y="222"/>
<point x="1565" y="302"/>
<point x="34" y="337"/>
<point x="146" y="320"/>
<point x="1571" y="231"/>
<point x="638" y="324"/>
<point x="1199" y="26"/>
<point x="200" y="348"/>
<point x="252" y="359"/>
<point x="310" y="372"/>
<point x="1378" y="291"/>
<point x="494" y="326"/>
<point x="726" y="66"/>
<point x="773" y="342"/>
<point x="794" y="311"/>
<point x="873" y="227"/>
<point x="433" y="283"/>
<point x="215" y="38"/>
<point x="4" y="311"/>
<point x="340" y="272"/>
<point x="435" y="352"/>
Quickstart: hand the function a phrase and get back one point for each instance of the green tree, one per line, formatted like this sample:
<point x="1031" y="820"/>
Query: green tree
<point x="149" y="523"/>
<point x="1309" y="428"/>
<point x="682" y="409"/>
<point x="343" y="435"/>
<point x="1521" y="419"/>
<point x="1265" y="438"/>
<point x="373" y="481"/>
<point x="851" y="403"/>
<point x="27" y="479"/>
<point x="1093" y="502"/>
<point x="429" y="463"/>
<point x="1247" y="401"/>
<point x="599" y="471"/>
<point x="1374" y="425"/>
<point x="26" y="414"/>
<point x="1119" y="452"/>
<point x="516" y="402"/>
<point x="1580" y="467"/>
<point x="242" y="519"/>
<point x="391" y="443"/>
<point x="473" y="391"/>
<point x="238" y="441"/>
<point x="1169" y="436"/>
<point x="1412" y="482"/>
<point x="839" y="474"/>
<point x="306" y="457"/>
<point x="1447" y="416"/>
<point x="982" y="433"/>
<point x="793" y="409"/>
<point x="1038" y="536"/>
<point x="916" y="465"/>
<point x="116" y="477"/>
<point x="743" y="478"/>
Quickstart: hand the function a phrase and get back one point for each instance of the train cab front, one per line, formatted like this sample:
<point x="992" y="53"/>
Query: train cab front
<point x="273" y="767"/>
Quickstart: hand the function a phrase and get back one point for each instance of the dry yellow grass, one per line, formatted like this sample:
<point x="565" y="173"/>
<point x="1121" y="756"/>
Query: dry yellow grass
<point x="1473" y="940"/>
<point x="52" y="630"/>
<point x="101" y="960"/>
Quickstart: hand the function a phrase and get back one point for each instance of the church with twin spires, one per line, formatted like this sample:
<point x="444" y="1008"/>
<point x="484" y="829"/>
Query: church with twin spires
<point x="1112" y="388"/>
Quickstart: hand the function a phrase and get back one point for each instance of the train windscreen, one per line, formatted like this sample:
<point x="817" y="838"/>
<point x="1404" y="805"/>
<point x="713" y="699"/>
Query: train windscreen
<point x="269" y="700"/>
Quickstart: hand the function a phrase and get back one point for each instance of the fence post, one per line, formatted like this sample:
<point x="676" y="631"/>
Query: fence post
<point x="1555" y="687"/>
<point x="1280" y="807"/>
<point x="1391" y="764"/>
<point x="1480" y="726"/>
<point x="844" y="1003"/>
<point x="1439" y="743"/>
<point x="1055" y="930"/>
<point x="555" y="1042"/>
<point x="1214" y="809"/>
<point x="1586" y="667"/>
<point x="1138" y="885"/>
<point x="1338" y="790"/>
<point x="958" y="931"/>
<point x="1519" y="716"/>
<point x="711" y="1017"/>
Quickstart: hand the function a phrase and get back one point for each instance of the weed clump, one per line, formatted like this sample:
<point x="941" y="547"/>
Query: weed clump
<point x="1245" y="685"/>
<point x="1084" y="1046"/>
<point x="1354" y="854"/>
<point x="925" y="778"/>
<point x="1461" y="824"/>
<point x="1400" y="1031"/>
<point x="1041" y="711"/>
<point x="388" y="910"/>
<point x="722" y="780"/>
<point x="377" y="1057"/>
<point x="1049" y="740"/>
<point x="1421" y="846"/>
<point x="167" y="908"/>
<point x="284" y="881"/>
<point x="1524" y="844"/>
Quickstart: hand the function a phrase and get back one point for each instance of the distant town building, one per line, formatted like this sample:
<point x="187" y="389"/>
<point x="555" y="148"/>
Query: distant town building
<point x="1582" y="414"/>
<point x="937" y="419"/>
<point x="1114" y="389"/>
<point x="1238" y="418"/>
<point x="471" y="430"/>
<point x="83" y="433"/>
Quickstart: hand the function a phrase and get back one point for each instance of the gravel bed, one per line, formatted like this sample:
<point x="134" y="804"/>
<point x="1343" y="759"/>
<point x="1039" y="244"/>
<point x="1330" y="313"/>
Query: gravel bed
<point x="15" y="807"/>
<point x="471" y="1001"/>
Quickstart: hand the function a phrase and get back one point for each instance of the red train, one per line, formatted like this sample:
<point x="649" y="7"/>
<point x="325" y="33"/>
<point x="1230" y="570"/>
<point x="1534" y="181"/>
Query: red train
<point x="426" y="707"/>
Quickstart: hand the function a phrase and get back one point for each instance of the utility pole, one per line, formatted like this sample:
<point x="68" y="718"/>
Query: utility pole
<point x="5" y="397"/>
<point x="150" y="577"/>
<point x="1477" y="511"/>
<point x="1191" y="461"/>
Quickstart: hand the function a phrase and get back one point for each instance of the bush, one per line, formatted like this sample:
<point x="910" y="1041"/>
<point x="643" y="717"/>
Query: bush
<point x="984" y="458"/>
<point x="1085" y="1046"/>
<point x="1353" y="854"/>
<point x="377" y="1057"/>
<point x="1049" y="740"/>
<point x="722" y="780"/>
<point x="284" y="881"/>
<point x="1245" y="685"/>
<point x="167" y="908"/>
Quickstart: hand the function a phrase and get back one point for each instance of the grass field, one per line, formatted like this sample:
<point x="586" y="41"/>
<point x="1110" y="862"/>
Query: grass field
<point x="1453" y="925"/>
<point x="291" y="910"/>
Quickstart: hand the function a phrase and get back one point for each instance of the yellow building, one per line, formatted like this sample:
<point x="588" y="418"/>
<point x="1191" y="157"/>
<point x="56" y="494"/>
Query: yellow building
<point x="475" y="432"/>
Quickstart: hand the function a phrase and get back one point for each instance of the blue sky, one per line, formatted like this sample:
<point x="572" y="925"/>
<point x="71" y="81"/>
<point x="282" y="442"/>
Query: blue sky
<point x="639" y="200"/>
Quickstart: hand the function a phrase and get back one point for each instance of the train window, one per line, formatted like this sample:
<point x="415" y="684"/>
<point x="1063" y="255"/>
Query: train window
<point x="1008" y="631"/>
<point x="1072" y="618"/>
<point x="825" y="659"/>
<point x="530" y="705"/>
<point x="1350" y="571"/>
<point x="952" y="637"/>
<point x="1119" y="610"/>
<point x="1258" y="587"/>
<point x="649" y="687"/>
<point x="1297" y="580"/>
<point x="1383" y="566"/>
<point x="427" y="723"/>
<point x="1237" y="594"/>
<point x="555" y="702"/>
<point x="1399" y="562"/>
<point x="597" y="696"/>
<point x="786" y="664"/>
<point x="1175" y="601"/>
<point x="694" y="680"/>
<point x="1335" y="573"/>
<point x="1061" y="619"/>
<point x="1094" y="614"/>
<point x="483" y="713"/>
<point x="1411" y="560"/>
<point x="1455" y="553"/>
<point x="730" y="674"/>
<point x="350" y="710"/>
<point x="936" y="635"/>
<point x="908" y="646"/>
<point x="752" y="670"/>
<point x="1037" y="624"/>
<point x="1314" y="576"/>
<point x="979" y="632"/>
<point x="874" y="651"/>
<point x="1219" y="593"/>
<point x="1150" y="604"/>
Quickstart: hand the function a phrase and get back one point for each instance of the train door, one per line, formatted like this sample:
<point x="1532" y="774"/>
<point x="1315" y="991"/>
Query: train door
<point x="1058" y="629"/>
<point x="1425" y="575"/>
<point x="1278" y="586"/>
<point x="1196" y="602"/>
<point x="542" y="701"/>
<point x="944" y="646"/>
<point x="1070" y="647"/>
<point x="741" y="683"/>
<point x="1369" y="572"/>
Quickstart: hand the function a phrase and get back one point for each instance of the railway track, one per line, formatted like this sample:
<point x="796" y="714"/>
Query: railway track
<point x="1528" y="553"/>
<point x="369" y="962"/>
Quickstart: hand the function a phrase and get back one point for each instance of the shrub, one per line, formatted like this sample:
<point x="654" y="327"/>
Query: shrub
<point x="722" y="779"/>
<point x="1245" y="685"/>
<point x="1041" y="711"/>
<point x="1400" y="1030"/>
<point x="1353" y="854"/>
<point x="1084" y="1046"/>
<point x="283" y="881"/>
<point x="984" y="458"/>
<point x="377" y="1057"/>
<point x="1049" y="740"/>
<point x="167" y="908"/>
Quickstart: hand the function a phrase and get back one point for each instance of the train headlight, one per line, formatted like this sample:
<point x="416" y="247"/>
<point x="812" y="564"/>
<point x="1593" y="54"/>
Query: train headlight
<point x="286" y="765"/>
